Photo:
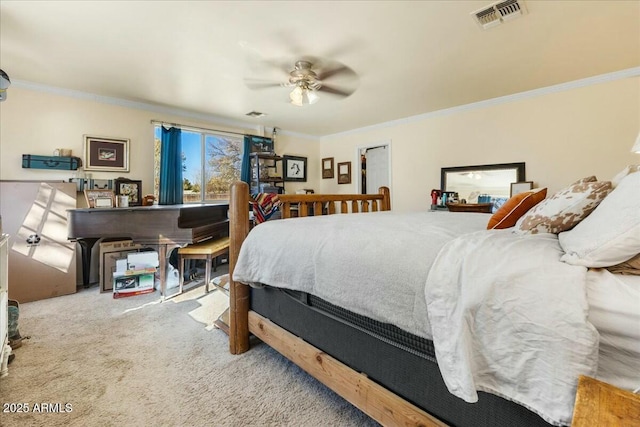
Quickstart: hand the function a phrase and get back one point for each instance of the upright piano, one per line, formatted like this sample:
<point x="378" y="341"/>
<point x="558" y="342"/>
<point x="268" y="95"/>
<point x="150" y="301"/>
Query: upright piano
<point x="164" y="227"/>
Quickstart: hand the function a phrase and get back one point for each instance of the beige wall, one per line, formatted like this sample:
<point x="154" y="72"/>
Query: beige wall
<point x="36" y="122"/>
<point x="561" y="136"/>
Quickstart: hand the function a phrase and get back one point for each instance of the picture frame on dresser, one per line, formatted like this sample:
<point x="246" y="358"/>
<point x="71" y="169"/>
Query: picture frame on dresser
<point x="99" y="198"/>
<point x="520" y="187"/>
<point x="131" y="188"/>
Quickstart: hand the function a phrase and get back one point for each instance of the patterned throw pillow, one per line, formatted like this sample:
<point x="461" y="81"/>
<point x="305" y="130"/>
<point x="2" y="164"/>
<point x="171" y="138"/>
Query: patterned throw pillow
<point x="565" y="209"/>
<point x="515" y="207"/>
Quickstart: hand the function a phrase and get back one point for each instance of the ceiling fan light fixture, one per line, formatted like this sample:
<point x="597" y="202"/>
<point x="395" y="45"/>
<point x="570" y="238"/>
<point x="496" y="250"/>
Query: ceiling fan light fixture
<point x="303" y="96"/>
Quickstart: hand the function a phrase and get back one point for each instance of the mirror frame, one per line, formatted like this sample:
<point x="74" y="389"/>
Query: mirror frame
<point x="519" y="167"/>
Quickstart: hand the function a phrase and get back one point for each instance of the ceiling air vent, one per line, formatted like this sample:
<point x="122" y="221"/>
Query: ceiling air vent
<point x="499" y="12"/>
<point x="255" y="114"/>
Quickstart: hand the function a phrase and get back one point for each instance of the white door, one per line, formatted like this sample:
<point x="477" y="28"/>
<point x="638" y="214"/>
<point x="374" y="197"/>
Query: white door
<point x="377" y="172"/>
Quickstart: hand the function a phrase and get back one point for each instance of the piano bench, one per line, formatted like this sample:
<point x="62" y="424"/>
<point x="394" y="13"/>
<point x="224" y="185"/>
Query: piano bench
<point x="208" y="250"/>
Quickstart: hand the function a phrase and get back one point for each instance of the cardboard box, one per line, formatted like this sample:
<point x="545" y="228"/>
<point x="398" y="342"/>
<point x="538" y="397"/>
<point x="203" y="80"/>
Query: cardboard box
<point x="140" y="260"/>
<point x="110" y="253"/>
<point x="42" y="261"/>
<point x="133" y="282"/>
<point x="135" y="275"/>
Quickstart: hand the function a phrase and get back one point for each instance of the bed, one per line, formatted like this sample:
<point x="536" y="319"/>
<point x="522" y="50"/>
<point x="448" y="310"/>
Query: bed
<point x="395" y="359"/>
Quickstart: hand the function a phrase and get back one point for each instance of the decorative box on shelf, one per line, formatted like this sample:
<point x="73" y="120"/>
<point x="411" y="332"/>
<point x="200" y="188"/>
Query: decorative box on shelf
<point x="31" y="161"/>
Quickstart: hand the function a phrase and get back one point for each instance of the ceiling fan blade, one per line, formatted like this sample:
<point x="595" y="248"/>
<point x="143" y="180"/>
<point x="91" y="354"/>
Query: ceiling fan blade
<point x="262" y="84"/>
<point x="335" y="91"/>
<point x="342" y="70"/>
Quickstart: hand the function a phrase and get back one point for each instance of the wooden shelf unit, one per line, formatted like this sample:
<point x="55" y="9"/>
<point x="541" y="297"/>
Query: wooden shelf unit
<point x="260" y="162"/>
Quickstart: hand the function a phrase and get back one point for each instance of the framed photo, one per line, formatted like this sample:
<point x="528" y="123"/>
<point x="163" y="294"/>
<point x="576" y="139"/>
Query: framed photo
<point x="130" y="188"/>
<point x="295" y="168"/>
<point x="106" y="154"/>
<point x="103" y="202"/>
<point x="327" y="168"/>
<point x="520" y="187"/>
<point x="99" y="198"/>
<point x="344" y="173"/>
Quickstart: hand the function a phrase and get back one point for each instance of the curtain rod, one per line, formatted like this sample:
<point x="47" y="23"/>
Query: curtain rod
<point x="187" y="127"/>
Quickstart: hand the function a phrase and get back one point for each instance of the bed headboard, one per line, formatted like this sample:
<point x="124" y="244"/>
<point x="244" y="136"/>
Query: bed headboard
<point x="325" y="204"/>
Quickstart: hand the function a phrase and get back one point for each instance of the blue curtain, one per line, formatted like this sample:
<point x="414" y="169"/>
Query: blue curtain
<point x="170" y="167"/>
<point x="245" y="169"/>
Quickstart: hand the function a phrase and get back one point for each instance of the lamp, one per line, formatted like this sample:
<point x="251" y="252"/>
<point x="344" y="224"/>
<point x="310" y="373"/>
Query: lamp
<point x="636" y="146"/>
<point x="302" y="95"/>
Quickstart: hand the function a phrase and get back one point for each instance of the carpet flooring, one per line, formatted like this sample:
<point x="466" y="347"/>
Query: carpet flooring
<point x="92" y="360"/>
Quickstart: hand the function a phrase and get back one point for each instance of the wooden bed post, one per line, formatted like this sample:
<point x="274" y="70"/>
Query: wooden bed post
<point x="386" y="198"/>
<point x="238" y="293"/>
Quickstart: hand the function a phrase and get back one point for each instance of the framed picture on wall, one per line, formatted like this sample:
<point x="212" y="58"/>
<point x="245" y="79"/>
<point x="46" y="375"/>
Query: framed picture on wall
<point x="261" y="144"/>
<point x="106" y="154"/>
<point x="295" y="168"/>
<point x="327" y="168"/>
<point x="130" y="188"/>
<point x="344" y="173"/>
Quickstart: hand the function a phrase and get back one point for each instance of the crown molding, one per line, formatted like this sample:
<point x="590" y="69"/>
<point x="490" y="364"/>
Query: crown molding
<point x="71" y="93"/>
<point x="209" y="118"/>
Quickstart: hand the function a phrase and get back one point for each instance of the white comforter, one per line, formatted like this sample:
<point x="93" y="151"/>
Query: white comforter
<point x="507" y="316"/>
<point x="374" y="264"/>
<point x="510" y="318"/>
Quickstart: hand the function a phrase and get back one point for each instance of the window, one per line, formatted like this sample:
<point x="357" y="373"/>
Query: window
<point x="210" y="163"/>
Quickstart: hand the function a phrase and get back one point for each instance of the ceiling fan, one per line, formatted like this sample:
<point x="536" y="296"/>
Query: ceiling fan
<point x="307" y="82"/>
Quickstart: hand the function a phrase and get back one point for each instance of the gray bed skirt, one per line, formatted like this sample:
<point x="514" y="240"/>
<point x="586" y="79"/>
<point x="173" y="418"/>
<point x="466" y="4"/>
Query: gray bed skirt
<point x="401" y="362"/>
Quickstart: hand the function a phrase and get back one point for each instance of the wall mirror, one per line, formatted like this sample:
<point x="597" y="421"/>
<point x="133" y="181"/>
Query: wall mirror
<point x="492" y="180"/>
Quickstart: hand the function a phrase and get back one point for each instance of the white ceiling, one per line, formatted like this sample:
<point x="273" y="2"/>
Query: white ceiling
<point x="411" y="58"/>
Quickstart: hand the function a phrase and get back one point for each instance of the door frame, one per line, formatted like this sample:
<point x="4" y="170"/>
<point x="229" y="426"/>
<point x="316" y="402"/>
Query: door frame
<point x="358" y="169"/>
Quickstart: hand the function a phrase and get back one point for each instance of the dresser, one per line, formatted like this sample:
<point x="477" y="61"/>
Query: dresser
<point x="470" y="207"/>
<point x="5" y="350"/>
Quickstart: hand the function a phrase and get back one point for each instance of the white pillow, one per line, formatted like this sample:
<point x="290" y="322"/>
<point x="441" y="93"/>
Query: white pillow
<point x="624" y="172"/>
<point x="611" y="234"/>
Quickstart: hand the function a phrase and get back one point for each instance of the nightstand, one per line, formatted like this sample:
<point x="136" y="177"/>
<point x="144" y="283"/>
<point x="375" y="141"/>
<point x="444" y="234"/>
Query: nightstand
<point x="601" y="404"/>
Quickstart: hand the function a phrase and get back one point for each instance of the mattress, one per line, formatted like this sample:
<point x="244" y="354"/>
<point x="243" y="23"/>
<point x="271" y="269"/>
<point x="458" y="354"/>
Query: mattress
<point x="614" y="309"/>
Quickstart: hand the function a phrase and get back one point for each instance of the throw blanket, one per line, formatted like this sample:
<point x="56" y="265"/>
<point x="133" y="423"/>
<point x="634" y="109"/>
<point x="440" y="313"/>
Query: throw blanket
<point x="264" y="205"/>
<point x="509" y="318"/>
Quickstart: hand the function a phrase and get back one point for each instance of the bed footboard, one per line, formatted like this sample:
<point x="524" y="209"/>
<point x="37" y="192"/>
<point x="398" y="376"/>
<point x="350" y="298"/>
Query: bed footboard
<point x="373" y="399"/>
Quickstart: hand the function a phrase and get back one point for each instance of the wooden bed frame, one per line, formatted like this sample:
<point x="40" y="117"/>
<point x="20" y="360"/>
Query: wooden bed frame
<point x="379" y="403"/>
